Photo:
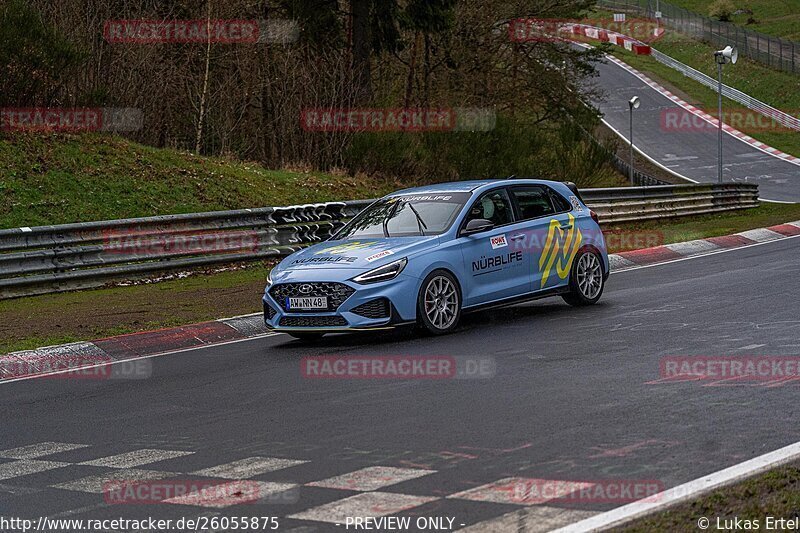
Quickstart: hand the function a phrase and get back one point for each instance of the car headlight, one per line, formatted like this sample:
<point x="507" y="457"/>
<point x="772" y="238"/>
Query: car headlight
<point x="269" y="277"/>
<point x="384" y="273"/>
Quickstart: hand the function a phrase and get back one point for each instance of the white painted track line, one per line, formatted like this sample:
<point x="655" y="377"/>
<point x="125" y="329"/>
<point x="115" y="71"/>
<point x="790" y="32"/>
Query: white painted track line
<point x="371" y="478"/>
<point x="247" y="468"/>
<point x="150" y="356"/>
<point x="97" y="484"/>
<point x="40" y="449"/>
<point x="522" y="491"/>
<point x="367" y="504"/>
<point x="135" y="458"/>
<point x="529" y="520"/>
<point x="687" y="491"/>
<point x="724" y="250"/>
<point x="221" y="497"/>
<point x="23" y="467"/>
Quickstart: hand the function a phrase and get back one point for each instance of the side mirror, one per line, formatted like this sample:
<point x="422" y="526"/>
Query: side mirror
<point x="476" y="226"/>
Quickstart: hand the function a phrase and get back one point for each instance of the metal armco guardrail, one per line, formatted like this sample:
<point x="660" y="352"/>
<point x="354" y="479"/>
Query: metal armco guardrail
<point x="48" y="259"/>
<point x="627" y="204"/>
<point x="736" y="95"/>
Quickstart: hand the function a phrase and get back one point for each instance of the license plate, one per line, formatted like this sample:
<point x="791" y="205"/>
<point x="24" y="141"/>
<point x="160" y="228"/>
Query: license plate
<point x="308" y="302"/>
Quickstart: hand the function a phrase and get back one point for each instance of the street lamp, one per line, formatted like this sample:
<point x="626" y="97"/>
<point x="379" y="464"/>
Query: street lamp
<point x="727" y="55"/>
<point x="633" y="103"/>
<point x="658" y="16"/>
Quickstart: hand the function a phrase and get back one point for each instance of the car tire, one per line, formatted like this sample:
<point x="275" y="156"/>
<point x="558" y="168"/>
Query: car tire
<point x="306" y="335"/>
<point x="439" y="303"/>
<point x="586" y="279"/>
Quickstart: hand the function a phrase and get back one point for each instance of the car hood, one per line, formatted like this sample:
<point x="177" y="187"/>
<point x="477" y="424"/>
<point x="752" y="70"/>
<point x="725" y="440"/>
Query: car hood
<point x="356" y="253"/>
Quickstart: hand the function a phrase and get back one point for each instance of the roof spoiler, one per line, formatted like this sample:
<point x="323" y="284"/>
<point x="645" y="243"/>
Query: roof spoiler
<point x="574" y="188"/>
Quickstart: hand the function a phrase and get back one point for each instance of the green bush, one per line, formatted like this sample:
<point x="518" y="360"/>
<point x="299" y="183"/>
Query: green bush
<point x="722" y="10"/>
<point x="513" y="147"/>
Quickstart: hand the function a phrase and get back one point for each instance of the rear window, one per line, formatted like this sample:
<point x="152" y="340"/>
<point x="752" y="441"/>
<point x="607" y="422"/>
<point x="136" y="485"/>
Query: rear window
<point x="533" y="202"/>
<point x="560" y="203"/>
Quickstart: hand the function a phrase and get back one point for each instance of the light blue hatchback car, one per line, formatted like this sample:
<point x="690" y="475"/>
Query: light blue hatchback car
<point x="425" y="255"/>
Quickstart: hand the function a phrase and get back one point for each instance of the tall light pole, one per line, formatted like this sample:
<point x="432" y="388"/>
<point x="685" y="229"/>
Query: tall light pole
<point x="658" y="16"/>
<point x="727" y="55"/>
<point x="633" y="103"/>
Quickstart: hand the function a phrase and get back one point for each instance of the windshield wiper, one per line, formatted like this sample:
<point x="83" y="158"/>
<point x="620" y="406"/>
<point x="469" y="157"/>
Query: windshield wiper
<point x="388" y="217"/>
<point x="420" y="222"/>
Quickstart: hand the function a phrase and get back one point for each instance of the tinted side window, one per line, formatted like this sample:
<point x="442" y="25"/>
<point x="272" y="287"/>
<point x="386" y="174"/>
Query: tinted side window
<point x="494" y="206"/>
<point x="559" y="202"/>
<point x="533" y="202"/>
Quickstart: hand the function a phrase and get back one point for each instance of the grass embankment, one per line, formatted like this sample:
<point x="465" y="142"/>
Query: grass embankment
<point x="58" y="318"/>
<point x="700" y="227"/>
<point x="780" y="18"/>
<point x="55" y="179"/>
<point x="59" y="178"/>
<point x="91" y="314"/>
<point x="778" y="89"/>
<point x="775" y="494"/>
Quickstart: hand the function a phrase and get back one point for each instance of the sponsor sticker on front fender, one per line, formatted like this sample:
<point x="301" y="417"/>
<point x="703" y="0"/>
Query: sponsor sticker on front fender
<point x="375" y="257"/>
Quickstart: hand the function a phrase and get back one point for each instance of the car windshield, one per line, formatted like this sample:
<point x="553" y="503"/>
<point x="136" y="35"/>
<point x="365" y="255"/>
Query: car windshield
<point x="406" y="215"/>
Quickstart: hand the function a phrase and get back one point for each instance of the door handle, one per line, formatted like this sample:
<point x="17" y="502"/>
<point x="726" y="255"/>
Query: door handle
<point x="566" y="226"/>
<point x="517" y="237"/>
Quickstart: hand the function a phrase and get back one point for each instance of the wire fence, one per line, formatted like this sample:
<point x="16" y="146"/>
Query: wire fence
<point x="640" y="178"/>
<point x="772" y="51"/>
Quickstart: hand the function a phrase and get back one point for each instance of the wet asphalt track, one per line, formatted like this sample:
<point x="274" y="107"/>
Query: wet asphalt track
<point x="690" y="153"/>
<point x="570" y="400"/>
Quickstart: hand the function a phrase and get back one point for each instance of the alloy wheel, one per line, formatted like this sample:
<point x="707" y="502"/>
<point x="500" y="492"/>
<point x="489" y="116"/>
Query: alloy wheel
<point x="590" y="275"/>
<point x="441" y="302"/>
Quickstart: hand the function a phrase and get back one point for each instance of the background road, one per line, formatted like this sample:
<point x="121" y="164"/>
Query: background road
<point x="690" y="153"/>
<point x="570" y="400"/>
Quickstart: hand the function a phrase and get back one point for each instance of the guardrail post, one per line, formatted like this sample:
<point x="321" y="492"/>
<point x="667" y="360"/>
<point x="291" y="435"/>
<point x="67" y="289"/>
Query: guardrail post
<point x="769" y="52"/>
<point x="758" y="44"/>
<point x="746" y="42"/>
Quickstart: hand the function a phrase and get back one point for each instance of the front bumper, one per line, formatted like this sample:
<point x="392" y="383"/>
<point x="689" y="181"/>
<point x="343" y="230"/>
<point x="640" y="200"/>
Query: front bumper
<point x="373" y="306"/>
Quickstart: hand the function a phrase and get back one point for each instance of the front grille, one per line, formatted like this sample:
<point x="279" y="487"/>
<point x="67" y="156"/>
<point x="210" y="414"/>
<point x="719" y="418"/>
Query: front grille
<point x="269" y="312"/>
<point x="312" y="321"/>
<point x="337" y="293"/>
<point x="377" y="308"/>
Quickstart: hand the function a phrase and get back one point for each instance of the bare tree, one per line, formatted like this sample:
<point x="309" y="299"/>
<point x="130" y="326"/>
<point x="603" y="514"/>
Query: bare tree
<point x="204" y="91"/>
